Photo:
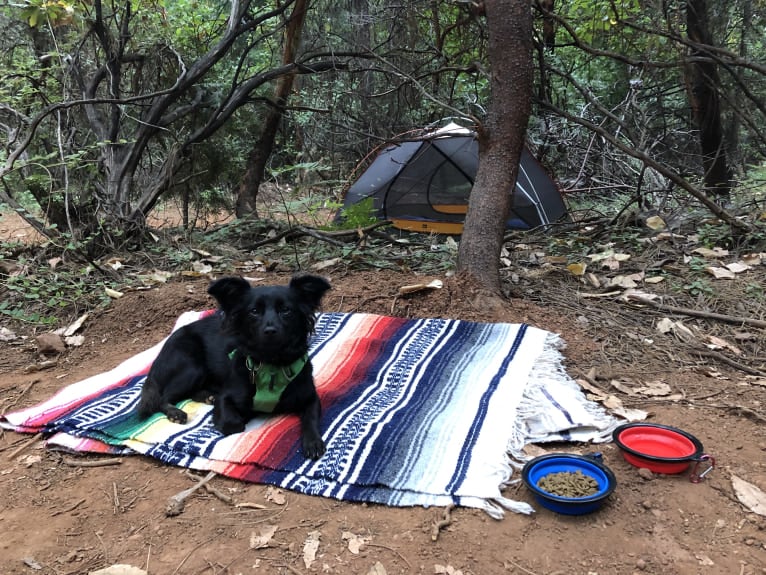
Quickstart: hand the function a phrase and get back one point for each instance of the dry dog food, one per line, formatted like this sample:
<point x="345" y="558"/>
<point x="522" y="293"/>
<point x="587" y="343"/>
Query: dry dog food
<point x="568" y="484"/>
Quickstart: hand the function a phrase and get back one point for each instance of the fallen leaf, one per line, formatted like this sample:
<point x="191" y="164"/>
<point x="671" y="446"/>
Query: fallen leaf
<point x="737" y="267"/>
<point x="262" y="539"/>
<point x="577" y="269"/>
<point x="704" y="560"/>
<point x="53" y="262"/>
<point x="310" y="548"/>
<point x="76" y="325"/>
<point x="655" y="223"/>
<point x="720" y="273"/>
<point x="749" y="495"/>
<point x="74" y="340"/>
<point x="556" y="259"/>
<point x="275" y="496"/>
<point x="6" y="334"/>
<point x="201" y="253"/>
<point x="201" y="267"/>
<point x="718" y="343"/>
<point x="619" y="386"/>
<point x="119" y="569"/>
<point x="654" y="279"/>
<point x="446" y="570"/>
<point x="326" y="264"/>
<point x="630" y="414"/>
<point x="377" y="569"/>
<point x="654" y="388"/>
<point x="714" y="253"/>
<point x="355" y="542"/>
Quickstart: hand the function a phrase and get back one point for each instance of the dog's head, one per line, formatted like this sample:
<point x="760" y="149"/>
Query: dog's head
<point x="271" y="323"/>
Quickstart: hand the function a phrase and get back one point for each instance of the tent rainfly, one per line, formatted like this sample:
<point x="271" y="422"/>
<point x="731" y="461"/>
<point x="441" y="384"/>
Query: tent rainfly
<point x="423" y="185"/>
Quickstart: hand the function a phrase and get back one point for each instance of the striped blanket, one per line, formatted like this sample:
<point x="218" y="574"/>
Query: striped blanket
<point x="415" y="412"/>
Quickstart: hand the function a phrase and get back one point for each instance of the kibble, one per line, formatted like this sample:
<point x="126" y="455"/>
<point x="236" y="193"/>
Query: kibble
<point x="569" y="484"/>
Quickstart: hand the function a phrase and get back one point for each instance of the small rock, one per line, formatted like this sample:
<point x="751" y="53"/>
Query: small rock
<point x="641" y="565"/>
<point x="50" y="344"/>
<point x="645" y="473"/>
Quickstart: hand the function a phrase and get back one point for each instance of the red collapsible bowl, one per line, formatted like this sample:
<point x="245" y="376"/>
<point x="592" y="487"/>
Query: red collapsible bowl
<point x="659" y="448"/>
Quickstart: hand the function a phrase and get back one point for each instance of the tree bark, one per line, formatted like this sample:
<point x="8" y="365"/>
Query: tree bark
<point x="263" y="147"/>
<point x="501" y="139"/>
<point x="704" y="85"/>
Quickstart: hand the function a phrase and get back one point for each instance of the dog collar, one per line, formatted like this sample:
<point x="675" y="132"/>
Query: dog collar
<point x="270" y="380"/>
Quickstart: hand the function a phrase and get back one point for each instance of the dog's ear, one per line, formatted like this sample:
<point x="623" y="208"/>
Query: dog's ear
<point x="229" y="291"/>
<point x="311" y="289"/>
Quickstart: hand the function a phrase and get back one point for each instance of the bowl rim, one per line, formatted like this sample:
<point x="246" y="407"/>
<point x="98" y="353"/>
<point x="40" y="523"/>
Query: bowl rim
<point x="611" y="479"/>
<point x="698" y="448"/>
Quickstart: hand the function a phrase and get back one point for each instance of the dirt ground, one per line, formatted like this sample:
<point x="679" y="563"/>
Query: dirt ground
<point x="61" y="515"/>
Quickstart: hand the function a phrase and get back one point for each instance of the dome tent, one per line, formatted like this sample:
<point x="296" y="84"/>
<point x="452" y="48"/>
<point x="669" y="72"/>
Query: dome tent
<point x="423" y="184"/>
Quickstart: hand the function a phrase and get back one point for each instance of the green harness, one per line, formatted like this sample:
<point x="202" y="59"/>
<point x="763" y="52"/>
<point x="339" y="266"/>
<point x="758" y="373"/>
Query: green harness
<point x="270" y="380"/>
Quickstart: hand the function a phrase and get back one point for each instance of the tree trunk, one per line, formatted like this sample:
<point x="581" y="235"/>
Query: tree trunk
<point x="501" y="139"/>
<point x="263" y="147"/>
<point x="704" y="84"/>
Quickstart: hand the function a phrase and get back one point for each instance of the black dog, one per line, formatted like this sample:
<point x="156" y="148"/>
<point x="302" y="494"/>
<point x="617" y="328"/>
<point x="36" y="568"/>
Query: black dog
<point x="249" y="357"/>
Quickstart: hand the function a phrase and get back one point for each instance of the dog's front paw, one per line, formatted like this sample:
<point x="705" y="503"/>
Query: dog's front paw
<point x="313" y="447"/>
<point x="229" y="427"/>
<point x="176" y="415"/>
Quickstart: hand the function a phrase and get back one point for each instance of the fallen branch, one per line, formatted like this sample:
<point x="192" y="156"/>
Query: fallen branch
<point x="698" y="313"/>
<point x="176" y="503"/>
<point x="733" y="363"/>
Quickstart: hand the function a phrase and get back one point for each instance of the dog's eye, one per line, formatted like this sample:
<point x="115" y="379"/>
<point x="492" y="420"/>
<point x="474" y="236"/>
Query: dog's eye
<point x="254" y="313"/>
<point x="285" y="312"/>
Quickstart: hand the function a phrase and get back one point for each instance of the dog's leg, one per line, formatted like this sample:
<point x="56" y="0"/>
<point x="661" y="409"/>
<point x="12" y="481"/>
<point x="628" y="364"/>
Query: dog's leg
<point x="311" y="437"/>
<point x="232" y="411"/>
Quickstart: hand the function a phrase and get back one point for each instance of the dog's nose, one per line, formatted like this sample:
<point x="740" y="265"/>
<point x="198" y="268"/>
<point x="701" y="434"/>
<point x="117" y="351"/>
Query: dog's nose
<point x="269" y="330"/>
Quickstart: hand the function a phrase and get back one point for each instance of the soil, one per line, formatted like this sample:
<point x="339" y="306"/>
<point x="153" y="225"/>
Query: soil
<point x="61" y="515"/>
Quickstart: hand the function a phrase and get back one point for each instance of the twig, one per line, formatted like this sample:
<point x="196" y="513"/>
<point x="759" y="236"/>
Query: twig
<point x="520" y="567"/>
<point x="16" y="452"/>
<point x="727" y="360"/>
<point x="70" y="508"/>
<point x="402" y="557"/>
<point x="437" y="526"/>
<point x="212" y="490"/>
<point x="176" y="503"/>
<point x="91" y="462"/>
<point x="698" y="313"/>
<point x="18" y="398"/>
<point x="193" y="549"/>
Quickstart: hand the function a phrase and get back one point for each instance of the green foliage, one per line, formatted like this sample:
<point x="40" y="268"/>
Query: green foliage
<point x="48" y="295"/>
<point x="359" y="215"/>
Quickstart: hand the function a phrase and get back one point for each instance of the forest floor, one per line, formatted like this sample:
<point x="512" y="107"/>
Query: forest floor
<point x="61" y="515"/>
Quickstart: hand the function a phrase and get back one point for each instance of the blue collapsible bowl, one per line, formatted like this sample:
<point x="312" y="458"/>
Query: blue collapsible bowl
<point x="539" y="467"/>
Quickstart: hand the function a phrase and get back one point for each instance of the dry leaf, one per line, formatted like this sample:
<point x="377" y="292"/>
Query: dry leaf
<point x="737" y="267"/>
<point x="714" y="253"/>
<point x="76" y="325"/>
<point x="310" y="548"/>
<point x="262" y="539"/>
<point x="749" y="495"/>
<point x="619" y="386"/>
<point x="718" y="343"/>
<point x="446" y="570"/>
<point x="355" y="542"/>
<point x="630" y="414"/>
<point x="577" y="269"/>
<point x="655" y="388"/>
<point x="720" y="273"/>
<point x="275" y="496"/>
<point x="377" y="569"/>
<point x="753" y="259"/>
<point x="201" y="267"/>
<point x="556" y="259"/>
<point x="654" y="280"/>
<point x="119" y="570"/>
<point x="655" y="223"/>
<point x="326" y="264"/>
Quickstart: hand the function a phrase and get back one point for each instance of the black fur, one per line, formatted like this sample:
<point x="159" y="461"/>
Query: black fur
<point x="270" y="324"/>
